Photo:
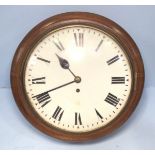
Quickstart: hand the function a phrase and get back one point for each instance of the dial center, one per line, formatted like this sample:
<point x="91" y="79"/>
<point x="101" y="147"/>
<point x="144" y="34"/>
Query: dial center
<point x="77" y="79"/>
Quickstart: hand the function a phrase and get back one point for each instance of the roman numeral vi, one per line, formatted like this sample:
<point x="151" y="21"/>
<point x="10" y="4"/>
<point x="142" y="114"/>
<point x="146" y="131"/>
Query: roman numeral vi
<point x="78" y="119"/>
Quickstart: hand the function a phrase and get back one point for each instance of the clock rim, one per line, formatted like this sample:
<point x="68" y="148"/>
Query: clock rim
<point x="66" y="19"/>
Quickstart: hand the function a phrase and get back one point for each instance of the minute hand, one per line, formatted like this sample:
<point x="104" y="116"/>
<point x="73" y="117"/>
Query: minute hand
<point x="61" y="86"/>
<point x="55" y="88"/>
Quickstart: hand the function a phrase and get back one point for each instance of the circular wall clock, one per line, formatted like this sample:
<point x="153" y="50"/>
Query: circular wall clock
<point x="77" y="76"/>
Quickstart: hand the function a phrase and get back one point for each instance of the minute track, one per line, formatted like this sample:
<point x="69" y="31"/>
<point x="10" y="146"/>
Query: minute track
<point x="83" y="110"/>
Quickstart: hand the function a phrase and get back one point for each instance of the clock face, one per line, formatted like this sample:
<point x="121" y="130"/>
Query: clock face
<point x="78" y="78"/>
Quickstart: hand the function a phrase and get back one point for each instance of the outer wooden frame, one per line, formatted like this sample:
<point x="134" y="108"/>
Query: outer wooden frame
<point x="58" y="21"/>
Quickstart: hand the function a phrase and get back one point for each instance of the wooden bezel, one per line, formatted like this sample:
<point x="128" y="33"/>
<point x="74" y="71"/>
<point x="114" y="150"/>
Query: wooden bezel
<point x="66" y="19"/>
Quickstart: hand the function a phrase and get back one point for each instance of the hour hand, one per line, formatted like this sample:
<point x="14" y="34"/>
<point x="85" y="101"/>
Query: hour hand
<point x="63" y="62"/>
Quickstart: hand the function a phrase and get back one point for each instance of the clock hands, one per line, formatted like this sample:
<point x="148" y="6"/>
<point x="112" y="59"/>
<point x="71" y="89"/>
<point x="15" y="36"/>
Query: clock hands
<point x="64" y="64"/>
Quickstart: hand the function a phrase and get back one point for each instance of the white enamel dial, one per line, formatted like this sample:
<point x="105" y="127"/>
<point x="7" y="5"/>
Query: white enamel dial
<point x="78" y="78"/>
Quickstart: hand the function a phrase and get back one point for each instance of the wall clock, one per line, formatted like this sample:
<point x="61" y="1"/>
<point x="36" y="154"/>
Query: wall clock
<point x="77" y="76"/>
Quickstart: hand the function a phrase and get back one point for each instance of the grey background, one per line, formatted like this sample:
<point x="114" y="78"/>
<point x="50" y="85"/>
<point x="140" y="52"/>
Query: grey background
<point x="17" y="133"/>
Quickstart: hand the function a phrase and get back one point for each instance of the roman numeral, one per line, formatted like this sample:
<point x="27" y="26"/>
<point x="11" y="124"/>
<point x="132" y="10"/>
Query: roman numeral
<point x="43" y="98"/>
<point x="98" y="114"/>
<point x="99" y="45"/>
<point x="58" y="113"/>
<point x="78" y="119"/>
<point x="40" y="80"/>
<point x="112" y="60"/>
<point x="43" y="59"/>
<point x="79" y="39"/>
<point x="112" y="99"/>
<point x="118" y="80"/>
<point x="59" y="45"/>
